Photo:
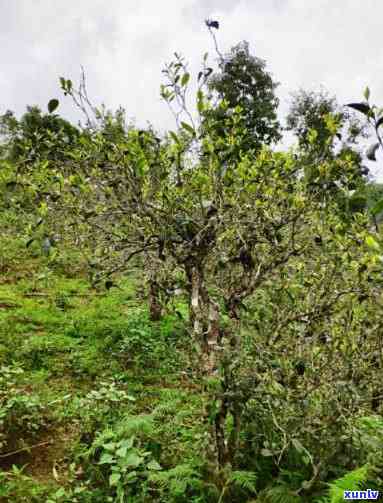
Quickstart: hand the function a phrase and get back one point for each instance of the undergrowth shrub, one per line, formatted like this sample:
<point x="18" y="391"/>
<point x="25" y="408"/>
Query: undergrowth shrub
<point x="101" y="406"/>
<point x="50" y="351"/>
<point x="149" y="345"/>
<point x="22" y="414"/>
<point x="118" y="460"/>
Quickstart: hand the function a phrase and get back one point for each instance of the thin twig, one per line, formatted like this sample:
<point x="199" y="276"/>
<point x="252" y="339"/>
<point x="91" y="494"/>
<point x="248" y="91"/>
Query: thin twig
<point x="24" y="449"/>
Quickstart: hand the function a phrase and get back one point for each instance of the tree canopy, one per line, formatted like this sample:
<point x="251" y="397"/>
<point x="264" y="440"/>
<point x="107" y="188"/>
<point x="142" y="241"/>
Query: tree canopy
<point x="243" y="81"/>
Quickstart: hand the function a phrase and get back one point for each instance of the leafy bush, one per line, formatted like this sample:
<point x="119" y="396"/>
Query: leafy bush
<point x="149" y="345"/>
<point x="21" y="414"/>
<point x="122" y="465"/>
<point x="102" y="405"/>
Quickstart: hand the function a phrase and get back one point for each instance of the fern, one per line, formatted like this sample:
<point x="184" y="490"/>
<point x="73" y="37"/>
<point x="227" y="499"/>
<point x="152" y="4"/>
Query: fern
<point x="179" y="472"/>
<point x="133" y="425"/>
<point x="244" y="479"/>
<point x="166" y="408"/>
<point x="279" y="494"/>
<point x="178" y="480"/>
<point x="351" y="481"/>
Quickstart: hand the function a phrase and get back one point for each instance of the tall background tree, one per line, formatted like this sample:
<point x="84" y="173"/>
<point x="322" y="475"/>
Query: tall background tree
<point x="35" y="136"/>
<point x="242" y="82"/>
<point x="329" y="148"/>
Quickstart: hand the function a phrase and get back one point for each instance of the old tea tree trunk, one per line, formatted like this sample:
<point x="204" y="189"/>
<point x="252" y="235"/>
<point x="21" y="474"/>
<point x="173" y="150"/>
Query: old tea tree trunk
<point x="207" y="333"/>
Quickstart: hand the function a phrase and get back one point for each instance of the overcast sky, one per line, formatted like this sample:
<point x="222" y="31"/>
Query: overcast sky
<point x="123" y="45"/>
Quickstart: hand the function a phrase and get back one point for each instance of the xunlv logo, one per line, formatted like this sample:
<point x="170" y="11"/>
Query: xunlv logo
<point x="369" y="494"/>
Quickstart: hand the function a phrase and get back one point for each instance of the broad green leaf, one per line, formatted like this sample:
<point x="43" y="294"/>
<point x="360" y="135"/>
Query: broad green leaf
<point x="188" y="128"/>
<point x="372" y="243"/>
<point x="121" y="452"/>
<point x="377" y="208"/>
<point x="174" y="137"/>
<point x="133" y="460"/>
<point x="52" y="105"/>
<point x="60" y="493"/>
<point x="114" y="479"/>
<point x="200" y="102"/>
<point x="312" y="136"/>
<point x="153" y="465"/>
<point x="131" y="477"/>
<point x="298" y="446"/>
<point x="364" y="108"/>
<point x="185" y="79"/>
<point x="111" y="446"/>
<point x="106" y="458"/>
<point x="125" y="445"/>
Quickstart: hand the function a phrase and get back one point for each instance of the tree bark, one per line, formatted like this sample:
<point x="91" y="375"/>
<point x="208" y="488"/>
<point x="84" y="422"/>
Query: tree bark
<point x="206" y="331"/>
<point x="155" y="308"/>
<point x="204" y="318"/>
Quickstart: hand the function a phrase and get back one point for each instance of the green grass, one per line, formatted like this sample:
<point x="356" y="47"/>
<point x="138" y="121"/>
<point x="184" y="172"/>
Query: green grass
<point x="84" y="360"/>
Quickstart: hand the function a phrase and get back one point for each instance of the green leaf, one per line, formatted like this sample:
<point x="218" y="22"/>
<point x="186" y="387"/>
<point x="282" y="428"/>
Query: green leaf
<point x="185" y="79"/>
<point x="60" y="493"/>
<point x="377" y="208"/>
<point x="133" y="460"/>
<point x="174" y="137"/>
<point x="125" y="445"/>
<point x="106" y="459"/>
<point x="364" y="108"/>
<point x="52" y="105"/>
<point x="297" y="445"/>
<point x="114" y="479"/>
<point x="372" y="243"/>
<point x="244" y="479"/>
<point x="111" y="446"/>
<point x="153" y="465"/>
<point x="131" y="477"/>
<point x="200" y="103"/>
<point x="188" y="128"/>
<point x="366" y="93"/>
